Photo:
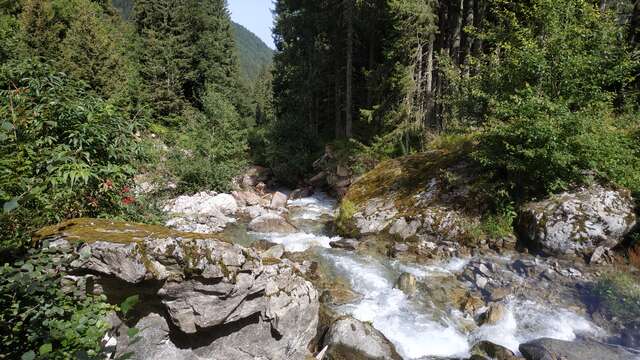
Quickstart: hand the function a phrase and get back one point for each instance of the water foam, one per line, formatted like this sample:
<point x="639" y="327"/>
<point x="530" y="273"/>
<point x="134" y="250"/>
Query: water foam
<point x="298" y="242"/>
<point x="414" y="332"/>
<point x="313" y="208"/>
<point x="527" y="320"/>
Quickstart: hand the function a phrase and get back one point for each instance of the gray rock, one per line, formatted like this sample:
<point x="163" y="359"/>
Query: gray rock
<point x="275" y="252"/>
<point x="345" y="244"/>
<point x="247" y="198"/>
<point x="271" y="223"/>
<point x="407" y="283"/>
<point x="578" y="222"/>
<point x="348" y="338"/>
<point x="221" y="300"/>
<point x="489" y="350"/>
<point x="404" y="229"/>
<point x="279" y="200"/>
<point x="375" y="217"/>
<point x="550" y="349"/>
<point x="123" y="261"/>
<point x="481" y="281"/>
<point x="152" y="342"/>
<point x="494" y="314"/>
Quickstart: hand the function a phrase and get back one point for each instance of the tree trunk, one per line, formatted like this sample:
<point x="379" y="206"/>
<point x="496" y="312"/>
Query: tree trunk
<point x="634" y="24"/>
<point x="454" y="29"/>
<point x="338" y="109"/>
<point x="429" y="84"/>
<point x="467" y="40"/>
<point x="603" y="5"/>
<point x="478" y="17"/>
<point x="348" y="4"/>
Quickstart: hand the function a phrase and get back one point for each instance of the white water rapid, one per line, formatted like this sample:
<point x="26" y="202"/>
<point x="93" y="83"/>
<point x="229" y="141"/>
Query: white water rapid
<point x="419" y="328"/>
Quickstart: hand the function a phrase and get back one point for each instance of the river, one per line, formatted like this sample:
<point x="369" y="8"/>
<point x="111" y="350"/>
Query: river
<point x="418" y="325"/>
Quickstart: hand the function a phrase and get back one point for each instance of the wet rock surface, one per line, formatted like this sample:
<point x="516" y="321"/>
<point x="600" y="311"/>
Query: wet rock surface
<point x="348" y="339"/>
<point x="211" y="299"/>
<point x="271" y="223"/>
<point x="550" y="349"/>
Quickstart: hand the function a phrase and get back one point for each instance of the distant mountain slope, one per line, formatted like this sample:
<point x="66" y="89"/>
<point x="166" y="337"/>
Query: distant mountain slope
<point x="253" y="52"/>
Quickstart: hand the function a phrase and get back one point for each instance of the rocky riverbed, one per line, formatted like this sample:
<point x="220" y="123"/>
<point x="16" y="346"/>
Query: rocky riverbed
<point x="445" y="306"/>
<point x="262" y="274"/>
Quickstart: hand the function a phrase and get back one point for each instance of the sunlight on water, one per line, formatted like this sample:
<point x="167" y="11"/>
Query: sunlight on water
<point x="298" y="242"/>
<point x="415" y="329"/>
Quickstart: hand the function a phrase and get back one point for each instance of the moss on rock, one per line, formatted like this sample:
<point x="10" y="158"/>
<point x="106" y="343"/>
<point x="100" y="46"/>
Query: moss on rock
<point x="91" y="230"/>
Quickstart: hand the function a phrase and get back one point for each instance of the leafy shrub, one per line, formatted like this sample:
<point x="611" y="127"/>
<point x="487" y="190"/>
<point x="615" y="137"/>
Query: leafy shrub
<point x="618" y="295"/>
<point x="534" y="146"/>
<point x="40" y="320"/>
<point x="63" y="153"/>
<point x="211" y="148"/>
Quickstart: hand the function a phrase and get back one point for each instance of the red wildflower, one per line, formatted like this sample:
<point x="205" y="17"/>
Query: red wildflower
<point x="128" y="200"/>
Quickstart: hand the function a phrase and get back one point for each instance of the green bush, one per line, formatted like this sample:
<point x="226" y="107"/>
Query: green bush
<point x="618" y="295"/>
<point x="535" y="145"/>
<point x="38" y="320"/>
<point x="63" y="152"/>
<point x="211" y="147"/>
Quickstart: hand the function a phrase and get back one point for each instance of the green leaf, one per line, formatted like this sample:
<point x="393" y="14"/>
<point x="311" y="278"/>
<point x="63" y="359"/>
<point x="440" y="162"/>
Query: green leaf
<point x="10" y="205"/>
<point x="29" y="355"/>
<point x="28" y="267"/>
<point x="7" y="126"/>
<point x="45" y="349"/>
<point x="132" y="332"/>
<point x="129" y="303"/>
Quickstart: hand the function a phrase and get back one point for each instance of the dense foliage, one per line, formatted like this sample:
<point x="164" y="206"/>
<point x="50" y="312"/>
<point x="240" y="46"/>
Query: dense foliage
<point x="212" y="146"/>
<point x="41" y="319"/>
<point x="81" y="94"/>
<point x="65" y="153"/>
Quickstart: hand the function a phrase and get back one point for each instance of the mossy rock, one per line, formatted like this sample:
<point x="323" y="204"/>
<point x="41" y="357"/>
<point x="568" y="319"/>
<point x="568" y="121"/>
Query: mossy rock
<point x="441" y="190"/>
<point x="89" y="230"/>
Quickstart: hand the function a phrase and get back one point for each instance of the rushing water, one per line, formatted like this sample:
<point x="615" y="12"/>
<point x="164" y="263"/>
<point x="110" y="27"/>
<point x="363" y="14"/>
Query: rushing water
<point x="418" y="329"/>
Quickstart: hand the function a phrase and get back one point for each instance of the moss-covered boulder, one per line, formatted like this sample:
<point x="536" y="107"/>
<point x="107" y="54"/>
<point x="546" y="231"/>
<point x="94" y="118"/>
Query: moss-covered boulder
<point x="429" y="198"/>
<point x="232" y="301"/>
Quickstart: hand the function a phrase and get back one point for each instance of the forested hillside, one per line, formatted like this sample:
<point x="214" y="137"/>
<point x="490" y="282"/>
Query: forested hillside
<point x="253" y="53"/>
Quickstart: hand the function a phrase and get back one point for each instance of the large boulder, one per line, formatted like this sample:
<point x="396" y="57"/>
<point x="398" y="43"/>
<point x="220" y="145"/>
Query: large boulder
<point x="279" y="200"/>
<point x="271" y="223"/>
<point x="204" y="212"/>
<point x="489" y="350"/>
<point x="550" y="349"/>
<point x="578" y="222"/>
<point x="219" y="300"/>
<point x="350" y="339"/>
<point x="430" y="199"/>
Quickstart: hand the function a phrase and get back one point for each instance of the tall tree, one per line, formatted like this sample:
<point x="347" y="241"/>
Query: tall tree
<point x="348" y="15"/>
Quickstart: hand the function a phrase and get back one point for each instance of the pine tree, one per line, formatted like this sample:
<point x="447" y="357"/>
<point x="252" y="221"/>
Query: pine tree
<point x="167" y="56"/>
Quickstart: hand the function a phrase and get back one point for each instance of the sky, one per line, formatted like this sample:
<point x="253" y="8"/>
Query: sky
<point x="256" y="16"/>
